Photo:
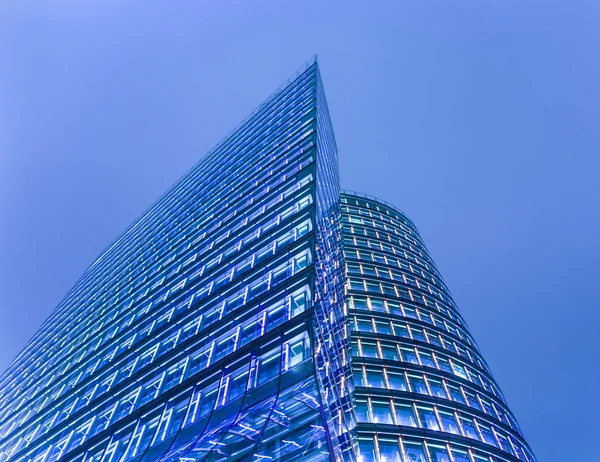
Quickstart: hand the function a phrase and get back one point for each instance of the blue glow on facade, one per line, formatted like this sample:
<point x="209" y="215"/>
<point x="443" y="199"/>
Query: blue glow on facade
<point x="423" y="392"/>
<point x="256" y="312"/>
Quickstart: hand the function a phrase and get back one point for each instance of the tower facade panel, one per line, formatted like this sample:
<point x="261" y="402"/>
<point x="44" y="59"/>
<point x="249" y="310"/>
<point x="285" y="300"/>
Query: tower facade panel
<point x="423" y="392"/>
<point x="192" y="336"/>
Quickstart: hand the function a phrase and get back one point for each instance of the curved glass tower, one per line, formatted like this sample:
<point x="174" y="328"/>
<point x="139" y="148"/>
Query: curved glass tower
<point x="422" y="389"/>
<point x="256" y="313"/>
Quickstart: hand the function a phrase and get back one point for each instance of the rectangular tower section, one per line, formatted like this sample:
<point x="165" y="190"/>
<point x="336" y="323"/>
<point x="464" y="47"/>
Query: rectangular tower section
<point x="192" y="336"/>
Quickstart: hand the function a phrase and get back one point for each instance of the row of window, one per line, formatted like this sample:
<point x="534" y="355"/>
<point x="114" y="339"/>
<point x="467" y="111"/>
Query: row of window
<point x="409" y="310"/>
<point x="402" y="301"/>
<point x="397" y="287"/>
<point x="387" y="448"/>
<point x="382" y="249"/>
<point x="438" y="418"/>
<point x="395" y="274"/>
<point x="409" y="353"/>
<point x="375" y="216"/>
<point x="356" y="205"/>
<point x="376" y="263"/>
<point x="407" y="380"/>
<point x="393" y="327"/>
<point x="379" y="219"/>
<point x="389" y="243"/>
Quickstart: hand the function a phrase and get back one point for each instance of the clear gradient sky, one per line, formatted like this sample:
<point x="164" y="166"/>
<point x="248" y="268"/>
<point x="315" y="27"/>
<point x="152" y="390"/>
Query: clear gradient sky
<point x="480" y="119"/>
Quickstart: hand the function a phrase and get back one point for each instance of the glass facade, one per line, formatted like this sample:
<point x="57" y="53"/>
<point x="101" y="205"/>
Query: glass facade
<point x="423" y="392"/>
<point x="255" y="312"/>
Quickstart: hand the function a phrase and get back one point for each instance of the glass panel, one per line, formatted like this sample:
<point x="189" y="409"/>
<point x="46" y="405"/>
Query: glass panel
<point x="366" y="448"/>
<point x="438" y="453"/>
<point x="405" y="415"/>
<point x="460" y="456"/>
<point x="381" y="412"/>
<point x="456" y="394"/>
<point x="389" y="451"/>
<point x="449" y="422"/>
<point x="437" y="388"/>
<point x="469" y="428"/>
<point x="389" y="352"/>
<point x="397" y="381"/>
<point x="414" y="452"/>
<point x="417" y="384"/>
<point x="375" y="378"/>
<point x="428" y="418"/>
<point x="362" y="411"/>
<point x="409" y="356"/>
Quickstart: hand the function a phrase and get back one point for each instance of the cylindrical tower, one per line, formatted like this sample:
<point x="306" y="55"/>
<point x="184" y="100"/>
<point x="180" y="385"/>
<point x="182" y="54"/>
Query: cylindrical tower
<point x="423" y="392"/>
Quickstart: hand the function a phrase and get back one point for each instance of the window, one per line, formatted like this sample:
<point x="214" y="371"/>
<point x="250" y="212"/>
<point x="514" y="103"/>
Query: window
<point x="383" y="327"/>
<point x="268" y="366"/>
<point x="389" y="450"/>
<point x="401" y="330"/>
<point x="417" y="384"/>
<point x="443" y="363"/>
<point x="299" y="303"/>
<point x="428" y="418"/>
<point x="397" y="381"/>
<point x="449" y="422"/>
<point x="487" y="407"/>
<point x="369" y="349"/>
<point x="469" y="429"/>
<point x="418" y="334"/>
<point x="426" y="359"/>
<point x="410" y="312"/>
<point x="369" y="270"/>
<point x="414" y="452"/>
<point x="377" y="304"/>
<point x="144" y="433"/>
<point x="366" y="449"/>
<point x="434" y="339"/>
<point x="504" y="444"/>
<point x="364" y="325"/>
<point x="238" y="382"/>
<point x="438" y="453"/>
<point x="375" y="378"/>
<point x="459" y="370"/>
<point x="362" y="410"/>
<point x="389" y="352"/>
<point x="395" y="309"/>
<point x="456" y="394"/>
<point x="460" y="456"/>
<point x="359" y="303"/>
<point x="487" y="435"/>
<point x="437" y="388"/>
<point x="409" y="356"/>
<point x="373" y="287"/>
<point x="359" y="378"/>
<point x="472" y="400"/>
<point x="405" y="415"/>
<point x="296" y="350"/>
<point x="381" y="412"/>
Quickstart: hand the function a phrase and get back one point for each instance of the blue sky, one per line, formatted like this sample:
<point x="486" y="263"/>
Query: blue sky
<point x="480" y="119"/>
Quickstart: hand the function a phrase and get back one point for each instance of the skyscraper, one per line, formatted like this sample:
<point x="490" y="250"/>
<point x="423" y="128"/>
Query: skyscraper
<point x="422" y="388"/>
<point x="256" y="312"/>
